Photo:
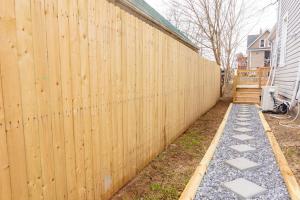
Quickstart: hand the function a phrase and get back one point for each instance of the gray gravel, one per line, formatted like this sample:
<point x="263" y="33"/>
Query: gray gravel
<point x="267" y="176"/>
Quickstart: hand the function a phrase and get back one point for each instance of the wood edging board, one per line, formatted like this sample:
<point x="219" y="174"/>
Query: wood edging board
<point x="191" y="188"/>
<point x="288" y="176"/>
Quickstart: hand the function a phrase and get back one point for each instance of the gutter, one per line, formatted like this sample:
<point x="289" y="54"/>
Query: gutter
<point x="133" y="8"/>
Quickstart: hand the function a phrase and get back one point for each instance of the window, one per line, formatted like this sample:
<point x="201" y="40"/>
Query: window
<point x="262" y="43"/>
<point x="283" y="38"/>
<point x="267" y="58"/>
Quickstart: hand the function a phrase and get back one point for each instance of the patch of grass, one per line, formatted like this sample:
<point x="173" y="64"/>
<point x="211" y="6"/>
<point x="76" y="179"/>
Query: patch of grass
<point x="192" y="139"/>
<point x="290" y="152"/>
<point x="155" y="187"/>
<point x="162" y="192"/>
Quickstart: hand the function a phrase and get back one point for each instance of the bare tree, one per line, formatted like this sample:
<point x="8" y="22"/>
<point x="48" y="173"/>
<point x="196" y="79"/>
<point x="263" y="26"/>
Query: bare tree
<point x="215" y="25"/>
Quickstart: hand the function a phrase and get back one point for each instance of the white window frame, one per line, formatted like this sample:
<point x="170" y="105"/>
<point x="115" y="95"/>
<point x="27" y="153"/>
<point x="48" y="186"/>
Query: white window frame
<point x="260" y="43"/>
<point x="283" y="38"/>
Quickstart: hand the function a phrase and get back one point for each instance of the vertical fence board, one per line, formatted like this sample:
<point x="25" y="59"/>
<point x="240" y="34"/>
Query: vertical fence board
<point x="29" y="101"/>
<point x="12" y="106"/>
<point x="75" y="61"/>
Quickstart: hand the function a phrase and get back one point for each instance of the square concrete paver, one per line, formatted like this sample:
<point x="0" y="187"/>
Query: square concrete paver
<point x="242" y="148"/>
<point x="243" y="129"/>
<point x="243" y="119"/>
<point x="242" y="163"/>
<point x="244" y="188"/>
<point x="242" y="123"/>
<point x="244" y="112"/>
<point x="244" y="116"/>
<point x="243" y="137"/>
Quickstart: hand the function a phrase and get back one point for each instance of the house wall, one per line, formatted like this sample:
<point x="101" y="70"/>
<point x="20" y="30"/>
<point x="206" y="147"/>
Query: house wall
<point x="265" y="37"/>
<point x="257" y="59"/>
<point x="90" y="94"/>
<point x="286" y="75"/>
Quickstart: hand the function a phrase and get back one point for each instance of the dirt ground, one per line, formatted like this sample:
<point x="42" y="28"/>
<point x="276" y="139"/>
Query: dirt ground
<point x="289" y="141"/>
<point x="166" y="176"/>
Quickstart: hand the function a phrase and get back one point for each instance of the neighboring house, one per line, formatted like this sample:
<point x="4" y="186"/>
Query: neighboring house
<point x="241" y="61"/>
<point x="286" y="55"/>
<point x="258" y="50"/>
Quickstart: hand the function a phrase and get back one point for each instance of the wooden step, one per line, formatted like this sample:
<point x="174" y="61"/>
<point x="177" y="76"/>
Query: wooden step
<point x="247" y="99"/>
<point x="248" y="94"/>
<point x="246" y="102"/>
<point x="248" y="90"/>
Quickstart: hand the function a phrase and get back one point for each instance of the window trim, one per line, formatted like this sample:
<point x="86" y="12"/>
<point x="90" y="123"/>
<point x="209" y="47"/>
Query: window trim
<point x="260" y="43"/>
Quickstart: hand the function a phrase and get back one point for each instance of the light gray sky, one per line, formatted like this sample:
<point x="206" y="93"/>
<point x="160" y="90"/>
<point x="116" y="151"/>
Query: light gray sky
<point x="264" y="18"/>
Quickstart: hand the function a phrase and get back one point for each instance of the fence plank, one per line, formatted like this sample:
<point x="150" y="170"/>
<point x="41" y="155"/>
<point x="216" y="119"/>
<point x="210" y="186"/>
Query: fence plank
<point x="12" y="106"/>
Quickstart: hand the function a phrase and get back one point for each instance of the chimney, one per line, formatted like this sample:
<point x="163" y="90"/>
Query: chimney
<point x="260" y="31"/>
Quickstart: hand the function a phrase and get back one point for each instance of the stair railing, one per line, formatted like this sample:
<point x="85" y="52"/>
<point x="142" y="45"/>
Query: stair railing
<point x="247" y="77"/>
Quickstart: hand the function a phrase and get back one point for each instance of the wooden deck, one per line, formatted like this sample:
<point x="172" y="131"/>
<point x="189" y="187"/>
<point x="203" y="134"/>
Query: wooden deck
<point x="247" y="85"/>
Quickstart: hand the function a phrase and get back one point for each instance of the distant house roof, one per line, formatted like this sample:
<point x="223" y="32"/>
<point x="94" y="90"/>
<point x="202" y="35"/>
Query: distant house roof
<point x="146" y="10"/>
<point x="251" y="39"/>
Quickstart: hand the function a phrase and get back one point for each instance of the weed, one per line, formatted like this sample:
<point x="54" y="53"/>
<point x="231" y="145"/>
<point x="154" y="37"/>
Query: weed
<point x="155" y="187"/>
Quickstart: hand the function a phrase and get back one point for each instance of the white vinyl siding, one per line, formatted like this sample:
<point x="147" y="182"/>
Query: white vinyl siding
<point x="284" y="27"/>
<point x="288" y="58"/>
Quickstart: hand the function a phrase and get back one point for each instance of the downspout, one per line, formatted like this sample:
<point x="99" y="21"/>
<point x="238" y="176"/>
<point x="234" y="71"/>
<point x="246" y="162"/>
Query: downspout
<point x="296" y="89"/>
<point x="271" y="64"/>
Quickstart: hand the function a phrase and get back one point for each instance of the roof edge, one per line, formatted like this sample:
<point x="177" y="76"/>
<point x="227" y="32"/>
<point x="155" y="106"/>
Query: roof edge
<point x="258" y="38"/>
<point x="131" y="6"/>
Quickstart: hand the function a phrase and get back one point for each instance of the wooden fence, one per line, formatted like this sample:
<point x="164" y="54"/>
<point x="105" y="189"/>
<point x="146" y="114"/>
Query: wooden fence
<point x="90" y="93"/>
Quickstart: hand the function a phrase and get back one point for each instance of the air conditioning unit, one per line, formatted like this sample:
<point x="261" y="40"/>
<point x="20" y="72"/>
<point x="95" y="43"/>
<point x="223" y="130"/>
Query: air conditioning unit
<point x="267" y="94"/>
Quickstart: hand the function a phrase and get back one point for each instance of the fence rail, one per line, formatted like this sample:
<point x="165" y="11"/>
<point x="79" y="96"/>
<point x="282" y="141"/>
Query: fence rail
<point x="90" y="94"/>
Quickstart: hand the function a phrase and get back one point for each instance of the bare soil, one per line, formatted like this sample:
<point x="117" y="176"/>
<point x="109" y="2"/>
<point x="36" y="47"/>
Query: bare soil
<point x="166" y="176"/>
<point x="289" y="141"/>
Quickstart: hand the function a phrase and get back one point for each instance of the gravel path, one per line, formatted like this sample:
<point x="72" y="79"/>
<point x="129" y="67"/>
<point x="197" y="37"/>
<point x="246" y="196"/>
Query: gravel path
<point x="266" y="175"/>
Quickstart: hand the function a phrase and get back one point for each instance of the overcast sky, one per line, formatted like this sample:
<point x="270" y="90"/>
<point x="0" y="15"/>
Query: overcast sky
<point x="264" y="18"/>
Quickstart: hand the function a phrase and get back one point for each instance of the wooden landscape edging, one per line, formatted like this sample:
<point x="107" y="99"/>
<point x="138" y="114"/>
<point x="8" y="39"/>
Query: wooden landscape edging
<point x="191" y="188"/>
<point x="286" y="172"/>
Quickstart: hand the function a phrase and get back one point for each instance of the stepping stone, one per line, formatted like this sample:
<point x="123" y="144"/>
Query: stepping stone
<point x="244" y="188"/>
<point x="243" y="137"/>
<point x="244" y="112"/>
<point x="242" y="148"/>
<point x="243" y="129"/>
<point x="243" y="115"/>
<point x="242" y="164"/>
<point x="242" y="123"/>
<point x="243" y="119"/>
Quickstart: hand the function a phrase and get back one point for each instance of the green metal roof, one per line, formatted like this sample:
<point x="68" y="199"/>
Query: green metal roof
<point x="146" y="9"/>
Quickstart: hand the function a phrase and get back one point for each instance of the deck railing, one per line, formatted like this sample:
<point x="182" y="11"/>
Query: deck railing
<point x="250" y="78"/>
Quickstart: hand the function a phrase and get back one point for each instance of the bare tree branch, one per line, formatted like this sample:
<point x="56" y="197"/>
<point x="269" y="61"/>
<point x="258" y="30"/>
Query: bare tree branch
<point x="215" y="25"/>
